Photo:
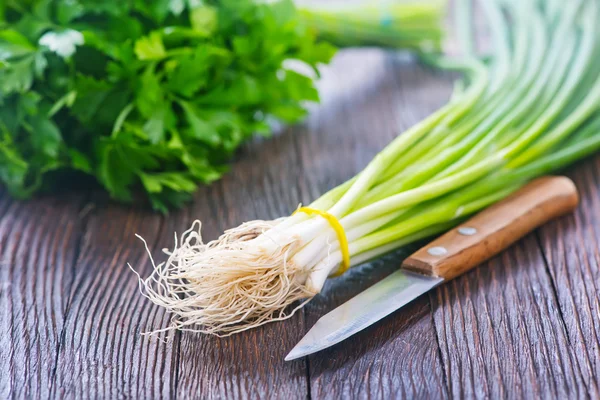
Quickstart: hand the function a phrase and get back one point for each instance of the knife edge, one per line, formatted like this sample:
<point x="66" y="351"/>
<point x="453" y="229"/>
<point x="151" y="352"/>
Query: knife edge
<point x="363" y="310"/>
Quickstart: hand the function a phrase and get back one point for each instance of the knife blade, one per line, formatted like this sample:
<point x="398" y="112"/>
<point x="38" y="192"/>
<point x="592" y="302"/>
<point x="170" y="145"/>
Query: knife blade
<point x="454" y="253"/>
<point x="368" y="307"/>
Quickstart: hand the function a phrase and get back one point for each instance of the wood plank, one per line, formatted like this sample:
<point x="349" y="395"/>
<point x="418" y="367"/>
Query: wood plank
<point x="571" y="247"/>
<point x="518" y="328"/>
<point x="398" y="357"/>
<point x="266" y="182"/>
<point x="500" y="331"/>
<point x="38" y="248"/>
<point x="395" y="358"/>
<point x="103" y="355"/>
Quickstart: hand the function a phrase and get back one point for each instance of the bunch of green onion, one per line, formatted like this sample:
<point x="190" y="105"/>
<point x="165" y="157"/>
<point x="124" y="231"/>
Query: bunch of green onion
<point x="407" y="24"/>
<point x="530" y="107"/>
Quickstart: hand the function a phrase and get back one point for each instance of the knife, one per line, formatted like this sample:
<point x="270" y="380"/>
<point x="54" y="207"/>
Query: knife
<point x="451" y="255"/>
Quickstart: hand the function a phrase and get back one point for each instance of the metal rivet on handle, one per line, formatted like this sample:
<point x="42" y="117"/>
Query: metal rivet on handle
<point x="467" y="231"/>
<point x="437" y="251"/>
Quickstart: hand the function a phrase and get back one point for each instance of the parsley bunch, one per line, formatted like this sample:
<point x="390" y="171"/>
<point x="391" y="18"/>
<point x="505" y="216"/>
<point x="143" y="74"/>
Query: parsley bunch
<point x="156" y="94"/>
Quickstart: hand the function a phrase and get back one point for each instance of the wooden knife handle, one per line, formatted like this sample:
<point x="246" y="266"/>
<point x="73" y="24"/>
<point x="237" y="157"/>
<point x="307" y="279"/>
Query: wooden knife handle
<point x="495" y="228"/>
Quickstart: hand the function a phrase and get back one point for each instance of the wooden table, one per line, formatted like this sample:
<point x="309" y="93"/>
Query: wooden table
<point x="524" y="326"/>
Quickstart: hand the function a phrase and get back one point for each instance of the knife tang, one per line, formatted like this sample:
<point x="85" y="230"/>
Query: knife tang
<point x="494" y="229"/>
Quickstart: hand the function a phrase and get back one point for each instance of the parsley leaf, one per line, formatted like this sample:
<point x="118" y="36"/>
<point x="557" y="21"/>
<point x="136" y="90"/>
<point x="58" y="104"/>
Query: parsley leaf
<point x="151" y="95"/>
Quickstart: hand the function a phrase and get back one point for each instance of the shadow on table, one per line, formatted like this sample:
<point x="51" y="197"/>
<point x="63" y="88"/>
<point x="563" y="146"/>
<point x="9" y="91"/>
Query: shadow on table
<point x="376" y="337"/>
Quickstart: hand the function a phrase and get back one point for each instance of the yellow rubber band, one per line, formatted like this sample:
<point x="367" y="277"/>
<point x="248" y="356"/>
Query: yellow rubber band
<point x="339" y="230"/>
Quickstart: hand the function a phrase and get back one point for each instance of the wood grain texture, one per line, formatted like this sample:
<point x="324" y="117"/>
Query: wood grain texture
<point x="38" y="247"/>
<point x="524" y="326"/>
<point x="248" y="365"/>
<point x="102" y="354"/>
<point x="395" y="358"/>
<point x="571" y="247"/>
<point x="500" y="331"/>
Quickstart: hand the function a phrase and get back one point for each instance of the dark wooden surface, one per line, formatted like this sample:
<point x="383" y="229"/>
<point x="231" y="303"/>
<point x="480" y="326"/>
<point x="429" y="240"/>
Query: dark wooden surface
<point x="526" y="325"/>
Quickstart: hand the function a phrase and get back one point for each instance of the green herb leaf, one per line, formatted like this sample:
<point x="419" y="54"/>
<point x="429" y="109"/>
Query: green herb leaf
<point x="150" y="47"/>
<point x="13" y="44"/>
<point x="203" y="19"/>
<point x="154" y="95"/>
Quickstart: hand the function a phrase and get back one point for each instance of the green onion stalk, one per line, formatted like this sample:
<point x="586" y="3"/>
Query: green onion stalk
<point x="530" y="107"/>
<point x="407" y="24"/>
